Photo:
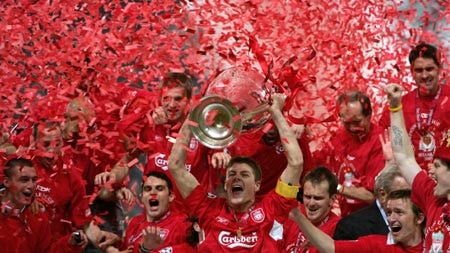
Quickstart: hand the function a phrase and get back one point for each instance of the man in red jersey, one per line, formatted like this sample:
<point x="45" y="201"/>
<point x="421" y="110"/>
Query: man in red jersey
<point x="319" y="194"/>
<point x="355" y="153"/>
<point x="60" y="189"/>
<point x="266" y="148"/>
<point x="239" y="223"/>
<point x="158" y="228"/>
<point x="157" y="134"/>
<point x="406" y="235"/>
<point x="20" y="229"/>
<point x="432" y="194"/>
<point x="426" y="117"/>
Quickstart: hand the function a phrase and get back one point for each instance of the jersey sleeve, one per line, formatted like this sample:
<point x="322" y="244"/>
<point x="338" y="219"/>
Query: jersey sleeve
<point x="422" y="191"/>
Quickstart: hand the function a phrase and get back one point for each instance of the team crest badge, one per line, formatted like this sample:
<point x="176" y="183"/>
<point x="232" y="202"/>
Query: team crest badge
<point x="193" y="144"/>
<point x="258" y="215"/>
<point x="163" y="233"/>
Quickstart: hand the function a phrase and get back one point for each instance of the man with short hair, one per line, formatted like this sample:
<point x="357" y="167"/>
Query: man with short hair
<point x="158" y="228"/>
<point x="406" y="235"/>
<point x="60" y="189"/>
<point x="424" y="110"/>
<point x="355" y="155"/>
<point x="155" y="139"/>
<point x="432" y="194"/>
<point x="239" y="223"/>
<point x="372" y="219"/>
<point x="319" y="194"/>
<point x="20" y="229"/>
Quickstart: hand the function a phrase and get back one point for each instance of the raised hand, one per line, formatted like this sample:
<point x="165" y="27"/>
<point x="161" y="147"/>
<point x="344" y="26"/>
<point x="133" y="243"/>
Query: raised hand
<point x="394" y="94"/>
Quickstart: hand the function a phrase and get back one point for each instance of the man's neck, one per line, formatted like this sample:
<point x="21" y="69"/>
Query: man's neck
<point x="7" y="207"/>
<point x="242" y="208"/>
<point x="428" y="93"/>
<point x="157" y="219"/>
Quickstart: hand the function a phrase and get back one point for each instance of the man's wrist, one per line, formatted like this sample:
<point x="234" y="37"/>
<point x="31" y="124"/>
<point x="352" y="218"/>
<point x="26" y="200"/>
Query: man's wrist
<point x="143" y="249"/>
<point x="396" y="109"/>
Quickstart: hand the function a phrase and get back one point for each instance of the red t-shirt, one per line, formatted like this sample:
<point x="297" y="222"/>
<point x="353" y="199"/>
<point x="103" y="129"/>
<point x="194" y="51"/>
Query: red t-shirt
<point x="196" y="160"/>
<point x="440" y="123"/>
<point x="374" y="243"/>
<point x="296" y="241"/>
<point x="63" y="194"/>
<point x="261" y="228"/>
<point x="174" y="230"/>
<point x="355" y="162"/>
<point x="437" y="233"/>
<point x="31" y="233"/>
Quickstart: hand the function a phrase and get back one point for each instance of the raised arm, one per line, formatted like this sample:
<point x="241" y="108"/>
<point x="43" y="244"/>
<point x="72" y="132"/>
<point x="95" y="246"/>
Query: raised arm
<point x="323" y="242"/>
<point x="401" y="144"/>
<point x="294" y="168"/>
<point x="185" y="181"/>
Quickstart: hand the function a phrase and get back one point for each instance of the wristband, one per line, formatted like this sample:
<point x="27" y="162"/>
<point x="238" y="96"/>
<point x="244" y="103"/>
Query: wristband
<point x="396" y="109"/>
<point x="143" y="249"/>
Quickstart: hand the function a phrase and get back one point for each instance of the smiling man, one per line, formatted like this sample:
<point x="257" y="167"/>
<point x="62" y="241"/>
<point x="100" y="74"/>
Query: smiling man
<point x="239" y="223"/>
<point x="425" y="109"/>
<point x="319" y="194"/>
<point x="430" y="192"/>
<point x="20" y="229"/>
<point x="406" y="235"/>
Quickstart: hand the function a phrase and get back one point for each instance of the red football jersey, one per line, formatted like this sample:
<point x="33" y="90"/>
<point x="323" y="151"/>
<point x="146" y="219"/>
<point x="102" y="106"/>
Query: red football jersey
<point x="258" y="230"/>
<point x="437" y="211"/>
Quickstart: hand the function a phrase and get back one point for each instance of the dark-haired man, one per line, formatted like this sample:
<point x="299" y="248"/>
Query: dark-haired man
<point x="239" y="223"/>
<point x="426" y="115"/>
<point x="20" y="229"/>
<point x="158" y="228"/>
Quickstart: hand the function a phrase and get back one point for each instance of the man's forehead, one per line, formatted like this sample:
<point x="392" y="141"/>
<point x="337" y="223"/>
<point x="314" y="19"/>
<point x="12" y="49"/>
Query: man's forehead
<point x="423" y="62"/>
<point x="240" y="167"/>
<point x="397" y="203"/>
<point x="173" y="90"/>
<point x="349" y="111"/>
<point x="25" y="171"/>
<point x="154" y="181"/>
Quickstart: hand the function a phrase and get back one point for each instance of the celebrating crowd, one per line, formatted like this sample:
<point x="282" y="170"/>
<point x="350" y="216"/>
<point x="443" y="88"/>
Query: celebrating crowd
<point x="378" y="187"/>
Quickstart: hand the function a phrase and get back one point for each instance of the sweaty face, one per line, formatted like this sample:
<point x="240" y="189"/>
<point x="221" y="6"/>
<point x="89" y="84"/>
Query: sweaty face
<point x="441" y="173"/>
<point x="174" y="102"/>
<point x="426" y="74"/>
<point x="317" y="201"/>
<point x="353" y="119"/>
<point x="156" y="198"/>
<point x="241" y="186"/>
<point x="404" y="225"/>
<point x="21" y="186"/>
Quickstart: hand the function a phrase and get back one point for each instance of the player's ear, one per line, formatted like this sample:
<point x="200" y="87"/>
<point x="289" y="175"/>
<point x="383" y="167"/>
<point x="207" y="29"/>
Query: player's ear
<point x="171" y="196"/>
<point x="257" y="185"/>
